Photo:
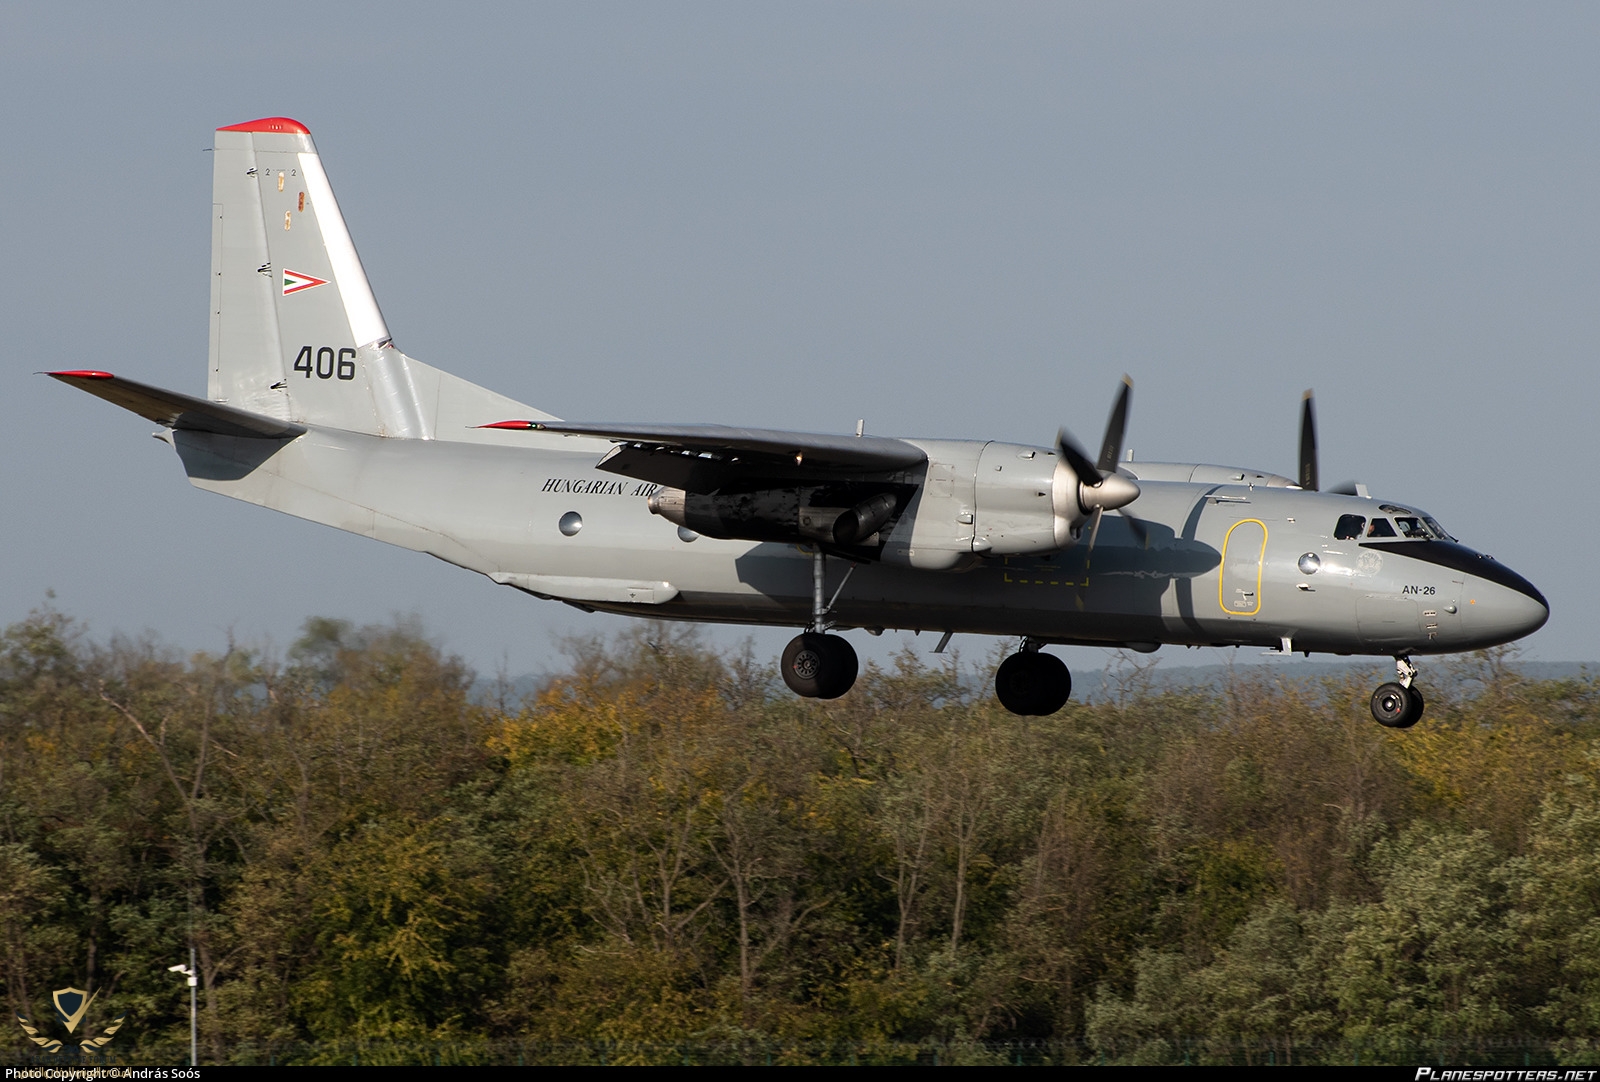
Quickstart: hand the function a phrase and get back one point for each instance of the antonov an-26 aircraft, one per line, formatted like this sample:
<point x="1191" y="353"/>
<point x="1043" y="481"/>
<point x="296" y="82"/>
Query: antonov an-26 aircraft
<point x="311" y="410"/>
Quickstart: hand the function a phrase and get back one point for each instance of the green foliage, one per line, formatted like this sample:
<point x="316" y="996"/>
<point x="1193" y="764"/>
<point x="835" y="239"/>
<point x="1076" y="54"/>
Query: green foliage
<point x="662" y="852"/>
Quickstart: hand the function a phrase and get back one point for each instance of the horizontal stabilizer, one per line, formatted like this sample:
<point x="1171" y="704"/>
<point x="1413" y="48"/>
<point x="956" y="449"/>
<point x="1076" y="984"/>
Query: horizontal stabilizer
<point x="178" y="410"/>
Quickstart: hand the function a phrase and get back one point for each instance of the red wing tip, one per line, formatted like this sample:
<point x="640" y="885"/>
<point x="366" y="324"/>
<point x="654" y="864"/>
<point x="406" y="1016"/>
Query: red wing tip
<point x="512" y="424"/>
<point x="270" y="124"/>
<point x="81" y="373"/>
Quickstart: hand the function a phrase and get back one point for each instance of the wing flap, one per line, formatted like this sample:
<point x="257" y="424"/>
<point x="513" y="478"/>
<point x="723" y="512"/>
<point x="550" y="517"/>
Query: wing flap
<point x="176" y="410"/>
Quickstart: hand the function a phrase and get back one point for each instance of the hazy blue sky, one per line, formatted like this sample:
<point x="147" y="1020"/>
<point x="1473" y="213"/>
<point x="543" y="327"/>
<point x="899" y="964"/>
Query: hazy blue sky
<point x="953" y="220"/>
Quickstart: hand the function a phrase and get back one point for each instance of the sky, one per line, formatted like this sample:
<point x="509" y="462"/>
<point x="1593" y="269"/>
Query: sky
<point x="953" y="220"/>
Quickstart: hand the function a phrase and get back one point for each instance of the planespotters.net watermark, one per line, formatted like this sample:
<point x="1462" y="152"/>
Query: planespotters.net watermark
<point x="1503" y="1074"/>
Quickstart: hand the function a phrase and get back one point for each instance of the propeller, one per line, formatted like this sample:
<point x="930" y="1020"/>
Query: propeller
<point x="1085" y="490"/>
<point x="1308" y="476"/>
<point x="1308" y="443"/>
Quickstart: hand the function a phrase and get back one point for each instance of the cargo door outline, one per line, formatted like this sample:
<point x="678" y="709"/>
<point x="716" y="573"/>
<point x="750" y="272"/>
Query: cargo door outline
<point x="1240" y="579"/>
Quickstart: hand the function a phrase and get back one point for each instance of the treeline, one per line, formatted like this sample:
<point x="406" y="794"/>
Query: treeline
<point x="665" y="850"/>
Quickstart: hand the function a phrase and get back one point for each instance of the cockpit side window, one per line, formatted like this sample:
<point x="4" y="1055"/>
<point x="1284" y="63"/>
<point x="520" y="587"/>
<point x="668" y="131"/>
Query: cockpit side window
<point x="1350" y="527"/>
<point x="1413" y="528"/>
<point x="1380" y="528"/>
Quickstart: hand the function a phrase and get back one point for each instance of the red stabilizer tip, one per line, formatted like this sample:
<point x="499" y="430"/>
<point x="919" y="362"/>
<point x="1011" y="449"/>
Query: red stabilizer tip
<point x="270" y="123"/>
<point x="510" y="424"/>
<point x="84" y="373"/>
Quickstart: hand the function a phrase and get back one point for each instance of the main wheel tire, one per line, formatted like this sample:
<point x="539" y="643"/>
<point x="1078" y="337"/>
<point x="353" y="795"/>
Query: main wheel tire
<point x="1417" y="706"/>
<point x="1033" y="684"/>
<point x="819" y="666"/>
<point x="1395" y="706"/>
<point x="1054" y="684"/>
<point x="805" y="660"/>
<point x="843" y="668"/>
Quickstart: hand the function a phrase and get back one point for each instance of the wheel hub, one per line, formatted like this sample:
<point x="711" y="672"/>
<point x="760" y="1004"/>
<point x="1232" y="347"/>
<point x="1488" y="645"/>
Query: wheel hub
<point x="807" y="663"/>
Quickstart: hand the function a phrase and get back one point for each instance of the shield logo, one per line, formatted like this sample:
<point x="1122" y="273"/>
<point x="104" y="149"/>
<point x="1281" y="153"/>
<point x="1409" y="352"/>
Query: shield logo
<point x="72" y="1004"/>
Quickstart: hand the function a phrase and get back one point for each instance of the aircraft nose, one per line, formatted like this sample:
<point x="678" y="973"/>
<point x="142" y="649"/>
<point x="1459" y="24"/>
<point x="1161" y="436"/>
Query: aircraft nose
<point x="1503" y="612"/>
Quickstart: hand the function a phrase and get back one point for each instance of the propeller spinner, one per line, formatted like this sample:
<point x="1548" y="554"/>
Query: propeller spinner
<point x="1085" y="490"/>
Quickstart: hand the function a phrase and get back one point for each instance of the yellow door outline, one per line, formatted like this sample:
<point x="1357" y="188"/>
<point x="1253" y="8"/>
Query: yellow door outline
<point x="1222" y="570"/>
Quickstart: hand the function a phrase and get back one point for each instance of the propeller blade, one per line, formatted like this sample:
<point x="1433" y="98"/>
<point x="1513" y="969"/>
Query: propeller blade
<point x="1116" y="424"/>
<point x="1308" y="444"/>
<point x="1094" y="530"/>
<point x="1073" y="455"/>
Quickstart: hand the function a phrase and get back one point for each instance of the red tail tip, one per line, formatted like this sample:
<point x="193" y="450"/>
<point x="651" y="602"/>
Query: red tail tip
<point x="511" y="424"/>
<point x="82" y="373"/>
<point x="270" y="124"/>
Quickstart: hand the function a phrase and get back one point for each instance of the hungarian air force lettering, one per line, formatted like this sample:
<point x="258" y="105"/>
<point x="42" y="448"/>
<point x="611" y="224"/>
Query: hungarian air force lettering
<point x="294" y="282"/>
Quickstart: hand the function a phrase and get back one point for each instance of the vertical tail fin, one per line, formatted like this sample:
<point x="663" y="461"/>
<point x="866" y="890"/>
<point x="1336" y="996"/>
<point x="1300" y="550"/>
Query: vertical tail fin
<point x="296" y="332"/>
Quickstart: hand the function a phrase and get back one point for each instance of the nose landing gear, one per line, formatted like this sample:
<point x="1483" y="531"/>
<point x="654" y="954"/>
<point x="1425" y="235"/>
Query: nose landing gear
<point x="1031" y="683"/>
<point x="817" y="665"/>
<point x="1398" y="705"/>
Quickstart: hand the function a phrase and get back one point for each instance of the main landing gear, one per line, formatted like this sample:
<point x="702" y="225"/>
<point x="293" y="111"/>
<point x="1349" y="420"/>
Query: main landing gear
<point x="1398" y="705"/>
<point x="1032" y="684"/>
<point x="817" y="665"/>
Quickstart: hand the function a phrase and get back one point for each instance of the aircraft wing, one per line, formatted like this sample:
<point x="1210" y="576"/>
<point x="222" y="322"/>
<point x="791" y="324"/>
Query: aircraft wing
<point x="705" y="458"/>
<point x="178" y="410"/>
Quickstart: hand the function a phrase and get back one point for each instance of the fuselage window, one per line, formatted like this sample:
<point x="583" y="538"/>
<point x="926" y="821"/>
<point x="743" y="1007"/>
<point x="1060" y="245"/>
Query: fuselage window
<point x="1380" y="528"/>
<point x="1350" y="527"/>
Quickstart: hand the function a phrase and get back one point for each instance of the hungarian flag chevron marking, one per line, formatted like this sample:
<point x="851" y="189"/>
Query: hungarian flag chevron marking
<point x="294" y="282"/>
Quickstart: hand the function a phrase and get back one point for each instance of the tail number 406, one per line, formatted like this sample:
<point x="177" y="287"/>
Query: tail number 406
<point x="326" y="362"/>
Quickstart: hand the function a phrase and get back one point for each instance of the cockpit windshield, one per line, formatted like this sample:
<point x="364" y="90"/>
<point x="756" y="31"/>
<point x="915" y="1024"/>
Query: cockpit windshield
<point x="1406" y="523"/>
<point x="1413" y="525"/>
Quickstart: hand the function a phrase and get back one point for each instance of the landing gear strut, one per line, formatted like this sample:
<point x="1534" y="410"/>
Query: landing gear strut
<point x="817" y="665"/>
<point x="1398" y="705"/>
<point x="1031" y="683"/>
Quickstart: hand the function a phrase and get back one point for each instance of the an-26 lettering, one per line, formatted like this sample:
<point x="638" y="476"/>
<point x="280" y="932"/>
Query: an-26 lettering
<point x="326" y="363"/>
<point x="1418" y="590"/>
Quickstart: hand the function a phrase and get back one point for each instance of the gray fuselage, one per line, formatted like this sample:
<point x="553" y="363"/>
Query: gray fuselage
<point x="1222" y="563"/>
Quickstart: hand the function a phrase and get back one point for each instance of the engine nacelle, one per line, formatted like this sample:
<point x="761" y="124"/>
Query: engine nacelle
<point x="996" y="499"/>
<point x="1029" y="500"/>
<point x="973" y="499"/>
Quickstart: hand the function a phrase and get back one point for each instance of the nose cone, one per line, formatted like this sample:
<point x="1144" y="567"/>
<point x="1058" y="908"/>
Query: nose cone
<point x="1504" y="609"/>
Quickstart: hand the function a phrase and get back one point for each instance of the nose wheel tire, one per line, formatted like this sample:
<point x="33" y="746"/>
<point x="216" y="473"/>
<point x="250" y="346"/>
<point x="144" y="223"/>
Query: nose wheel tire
<point x="819" y="666"/>
<point x="1032" y="684"/>
<point x="1396" y="706"/>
